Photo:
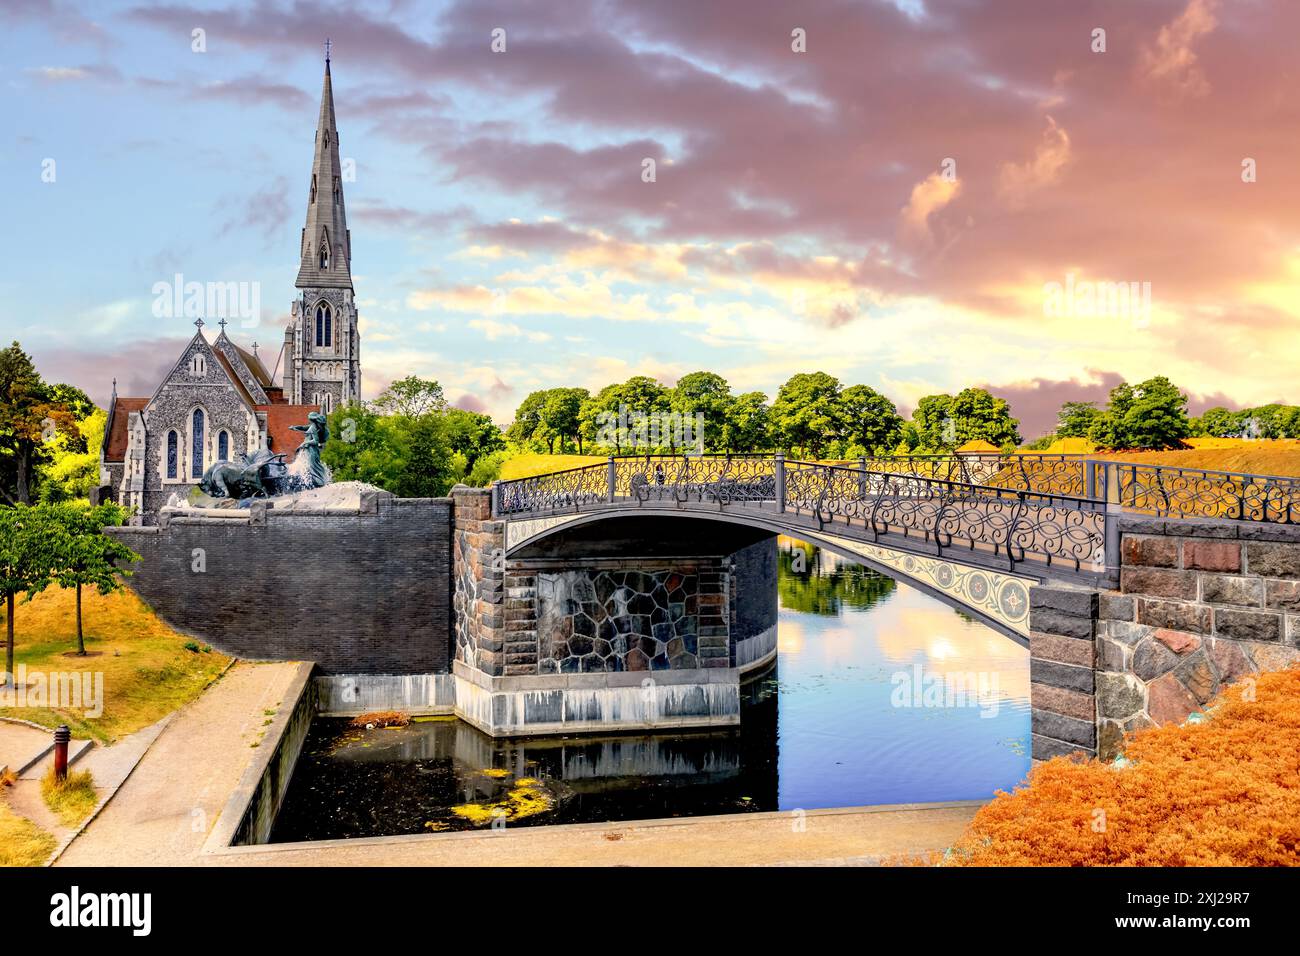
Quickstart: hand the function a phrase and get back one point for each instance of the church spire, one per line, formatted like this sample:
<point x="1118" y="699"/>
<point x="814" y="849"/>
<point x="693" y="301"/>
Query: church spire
<point x="326" y="254"/>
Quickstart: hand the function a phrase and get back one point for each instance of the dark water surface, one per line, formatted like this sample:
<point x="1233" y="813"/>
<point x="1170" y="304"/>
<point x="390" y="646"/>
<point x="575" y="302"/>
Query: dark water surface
<point x="856" y="711"/>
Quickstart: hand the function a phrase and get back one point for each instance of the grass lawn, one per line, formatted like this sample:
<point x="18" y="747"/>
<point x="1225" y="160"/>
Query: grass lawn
<point x="22" y="843"/>
<point x="147" y="670"/>
<point x="71" y="800"/>
<point x="1223" y="792"/>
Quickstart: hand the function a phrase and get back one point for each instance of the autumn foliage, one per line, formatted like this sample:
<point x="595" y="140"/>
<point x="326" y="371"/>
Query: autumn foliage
<point x="1224" y="792"/>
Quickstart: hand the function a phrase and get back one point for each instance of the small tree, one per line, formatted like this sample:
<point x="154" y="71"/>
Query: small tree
<point x="28" y="548"/>
<point x="85" y="555"/>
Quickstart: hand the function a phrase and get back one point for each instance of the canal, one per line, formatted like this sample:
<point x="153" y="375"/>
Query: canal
<point x="879" y="694"/>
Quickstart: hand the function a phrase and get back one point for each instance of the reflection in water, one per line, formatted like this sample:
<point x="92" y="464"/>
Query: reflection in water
<point x="880" y="695"/>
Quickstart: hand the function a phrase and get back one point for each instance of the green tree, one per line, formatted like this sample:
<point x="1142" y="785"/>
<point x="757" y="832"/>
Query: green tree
<point x="71" y="468"/>
<point x="1075" y="419"/>
<point x="748" y="426"/>
<point x="706" y="394"/>
<point x="472" y="434"/>
<point x="806" y="413"/>
<point x="84" y="554"/>
<point x="1150" y="415"/>
<point x="412" y="397"/>
<point x="27" y="422"/>
<point x="1218" y="422"/>
<point x="869" y="420"/>
<point x="28" y="558"/>
<point x="560" y="418"/>
<point x="528" y="420"/>
<point x="944" y="422"/>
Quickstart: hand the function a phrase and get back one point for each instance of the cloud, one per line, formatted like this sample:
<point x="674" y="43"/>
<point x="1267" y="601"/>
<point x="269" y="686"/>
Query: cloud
<point x="1170" y="61"/>
<point x="1018" y="181"/>
<point x="928" y="197"/>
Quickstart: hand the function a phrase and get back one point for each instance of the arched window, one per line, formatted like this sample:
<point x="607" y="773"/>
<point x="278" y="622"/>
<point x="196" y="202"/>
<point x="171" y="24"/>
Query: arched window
<point x="324" y="252"/>
<point x="223" y="446"/>
<point x="313" y="188"/>
<point x="327" y="406"/>
<point x="198" y="365"/>
<point x="172" y="452"/>
<point x="196" y="445"/>
<point x="324" y="326"/>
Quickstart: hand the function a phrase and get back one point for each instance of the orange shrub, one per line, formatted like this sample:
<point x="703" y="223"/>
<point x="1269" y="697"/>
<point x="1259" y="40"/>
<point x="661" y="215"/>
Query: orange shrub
<point x="1225" y="792"/>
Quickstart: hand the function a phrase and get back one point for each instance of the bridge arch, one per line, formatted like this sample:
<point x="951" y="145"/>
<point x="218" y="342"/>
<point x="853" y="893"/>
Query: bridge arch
<point x="999" y="599"/>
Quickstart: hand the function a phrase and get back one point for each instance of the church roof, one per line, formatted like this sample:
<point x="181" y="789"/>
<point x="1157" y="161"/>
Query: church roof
<point x="326" y="217"/>
<point x="280" y="436"/>
<point x="119" y="414"/>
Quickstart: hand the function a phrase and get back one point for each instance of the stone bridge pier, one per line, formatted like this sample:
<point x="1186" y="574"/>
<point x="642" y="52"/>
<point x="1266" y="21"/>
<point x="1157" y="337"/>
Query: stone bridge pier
<point x="628" y="625"/>
<point x="1201" y="604"/>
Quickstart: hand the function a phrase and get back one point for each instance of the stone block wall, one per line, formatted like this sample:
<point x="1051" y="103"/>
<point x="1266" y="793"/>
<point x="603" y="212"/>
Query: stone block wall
<point x="1062" y="625"/>
<point x="1201" y="604"/>
<point x="363" y="591"/>
<point x="478" y="568"/>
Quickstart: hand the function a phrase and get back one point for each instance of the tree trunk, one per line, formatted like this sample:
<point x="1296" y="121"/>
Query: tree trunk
<point x="9" y="638"/>
<point x="81" y="641"/>
<point x="24" y="463"/>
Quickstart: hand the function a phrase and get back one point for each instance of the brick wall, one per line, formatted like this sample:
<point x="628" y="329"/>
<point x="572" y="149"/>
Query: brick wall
<point x="359" y="593"/>
<point x="1201" y="604"/>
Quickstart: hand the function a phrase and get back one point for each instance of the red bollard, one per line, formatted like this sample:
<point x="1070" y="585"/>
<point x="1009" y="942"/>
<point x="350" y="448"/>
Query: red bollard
<point x="61" y="737"/>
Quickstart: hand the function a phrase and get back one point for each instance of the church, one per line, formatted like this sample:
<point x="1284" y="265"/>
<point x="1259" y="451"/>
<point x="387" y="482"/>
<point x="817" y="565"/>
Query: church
<point x="219" y="401"/>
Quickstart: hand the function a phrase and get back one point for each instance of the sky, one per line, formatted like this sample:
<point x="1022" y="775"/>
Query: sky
<point x="911" y="194"/>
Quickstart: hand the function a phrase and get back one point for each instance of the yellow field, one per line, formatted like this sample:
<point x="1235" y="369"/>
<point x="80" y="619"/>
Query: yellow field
<point x="1280" y="457"/>
<point x="22" y="843"/>
<point x="147" y="671"/>
<point x="529" y="464"/>
<point x="1258" y="458"/>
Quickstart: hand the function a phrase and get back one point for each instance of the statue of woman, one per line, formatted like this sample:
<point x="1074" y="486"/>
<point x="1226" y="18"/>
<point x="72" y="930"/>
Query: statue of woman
<point x="317" y="434"/>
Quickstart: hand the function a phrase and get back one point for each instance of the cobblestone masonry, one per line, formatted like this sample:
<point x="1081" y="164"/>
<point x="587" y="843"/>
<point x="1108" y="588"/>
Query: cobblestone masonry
<point x="1201" y="605"/>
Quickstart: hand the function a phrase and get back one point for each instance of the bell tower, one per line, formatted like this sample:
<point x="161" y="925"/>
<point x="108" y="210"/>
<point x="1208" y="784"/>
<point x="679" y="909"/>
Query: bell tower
<point x="322" y="347"/>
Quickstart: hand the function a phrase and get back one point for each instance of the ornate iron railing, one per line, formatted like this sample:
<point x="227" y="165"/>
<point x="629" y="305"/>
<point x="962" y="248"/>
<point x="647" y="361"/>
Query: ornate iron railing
<point x="1195" y="493"/>
<point x="567" y="490"/>
<point x="1010" y="522"/>
<point x="1048" y="474"/>
<point x="1004" y="521"/>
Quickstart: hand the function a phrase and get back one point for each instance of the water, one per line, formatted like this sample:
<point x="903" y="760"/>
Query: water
<point x="856" y="712"/>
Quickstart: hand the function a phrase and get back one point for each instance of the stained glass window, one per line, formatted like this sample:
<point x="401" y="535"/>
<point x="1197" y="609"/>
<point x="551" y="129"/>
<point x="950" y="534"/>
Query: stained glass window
<point x="171" y="454"/>
<point x="196" y="450"/>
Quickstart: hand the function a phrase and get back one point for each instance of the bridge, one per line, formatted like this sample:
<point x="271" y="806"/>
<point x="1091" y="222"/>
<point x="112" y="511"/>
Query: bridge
<point x="637" y="592"/>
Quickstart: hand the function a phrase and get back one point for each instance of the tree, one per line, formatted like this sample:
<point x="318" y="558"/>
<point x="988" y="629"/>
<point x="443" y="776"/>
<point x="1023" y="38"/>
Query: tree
<point x="708" y="395"/>
<point x="747" y="427"/>
<point x="406" y="451"/>
<point x="806" y="412"/>
<point x="945" y="422"/>
<point x="1150" y="415"/>
<point x="869" y="420"/>
<point x="528" y="419"/>
<point x="1075" y="419"/>
<point x="28" y="552"/>
<point x="412" y="397"/>
<point x="559" y="418"/>
<point x="472" y="434"/>
<point x="26" y="408"/>
<point x="72" y="467"/>
<point x="84" y="555"/>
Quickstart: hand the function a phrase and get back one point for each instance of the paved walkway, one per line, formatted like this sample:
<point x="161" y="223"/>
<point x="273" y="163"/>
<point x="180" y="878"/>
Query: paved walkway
<point x="163" y="812"/>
